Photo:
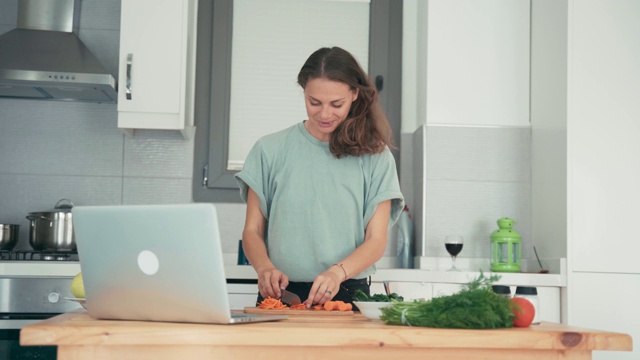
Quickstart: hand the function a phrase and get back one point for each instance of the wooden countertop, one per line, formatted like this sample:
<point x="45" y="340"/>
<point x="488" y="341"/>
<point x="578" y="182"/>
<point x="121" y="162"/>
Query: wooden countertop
<point x="79" y="336"/>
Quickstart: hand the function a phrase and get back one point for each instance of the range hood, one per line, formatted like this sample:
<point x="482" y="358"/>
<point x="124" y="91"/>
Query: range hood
<point x="43" y="59"/>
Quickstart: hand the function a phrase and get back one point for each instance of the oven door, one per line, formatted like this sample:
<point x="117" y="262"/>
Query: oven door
<point x="10" y="348"/>
<point x="18" y="321"/>
<point x="26" y="300"/>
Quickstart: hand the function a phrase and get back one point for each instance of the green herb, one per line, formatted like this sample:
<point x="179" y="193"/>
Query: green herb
<point x="475" y="307"/>
<point x="362" y="296"/>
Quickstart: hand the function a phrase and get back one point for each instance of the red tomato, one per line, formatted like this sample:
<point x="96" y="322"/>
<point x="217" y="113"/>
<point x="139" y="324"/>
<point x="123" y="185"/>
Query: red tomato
<point x="523" y="310"/>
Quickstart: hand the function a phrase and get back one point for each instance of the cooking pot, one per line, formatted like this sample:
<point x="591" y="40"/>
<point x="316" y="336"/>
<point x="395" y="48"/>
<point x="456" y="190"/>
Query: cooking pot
<point x="8" y="236"/>
<point x="52" y="230"/>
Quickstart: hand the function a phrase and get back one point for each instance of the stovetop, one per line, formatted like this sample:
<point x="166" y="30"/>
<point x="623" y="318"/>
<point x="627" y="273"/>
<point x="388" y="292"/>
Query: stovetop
<point x="30" y="263"/>
<point x="34" y="255"/>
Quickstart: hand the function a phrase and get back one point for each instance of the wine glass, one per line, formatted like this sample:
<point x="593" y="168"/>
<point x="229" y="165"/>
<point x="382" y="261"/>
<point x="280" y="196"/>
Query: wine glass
<point x="453" y="244"/>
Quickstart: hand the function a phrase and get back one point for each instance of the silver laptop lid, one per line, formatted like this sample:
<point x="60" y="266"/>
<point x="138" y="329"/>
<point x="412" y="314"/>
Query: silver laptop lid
<point x="152" y="262"/>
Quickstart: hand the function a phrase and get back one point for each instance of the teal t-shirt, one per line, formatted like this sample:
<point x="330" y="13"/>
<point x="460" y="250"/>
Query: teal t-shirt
<point x="317" y="206"/>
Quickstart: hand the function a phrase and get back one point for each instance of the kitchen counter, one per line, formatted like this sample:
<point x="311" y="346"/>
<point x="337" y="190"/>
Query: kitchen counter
<point x="78" y="336"/>
<point x="245" y="272"/>
<point x="39" y="268"/>
<point x="556" y="278"/>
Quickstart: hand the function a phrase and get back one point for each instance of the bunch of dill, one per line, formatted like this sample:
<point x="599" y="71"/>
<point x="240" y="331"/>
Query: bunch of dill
<point x="474" y="307"/>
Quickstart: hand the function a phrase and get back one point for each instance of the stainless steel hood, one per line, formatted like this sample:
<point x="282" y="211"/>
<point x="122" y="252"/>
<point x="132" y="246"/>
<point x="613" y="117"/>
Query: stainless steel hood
<point x="43" y="59"/>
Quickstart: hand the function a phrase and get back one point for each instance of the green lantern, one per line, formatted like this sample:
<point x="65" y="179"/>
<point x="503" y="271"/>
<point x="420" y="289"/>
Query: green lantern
<point x="506" y="249"/>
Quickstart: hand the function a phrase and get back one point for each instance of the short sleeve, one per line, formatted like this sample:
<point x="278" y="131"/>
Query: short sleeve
<point x="254" y="175"/>
<point x="384" y="185"/>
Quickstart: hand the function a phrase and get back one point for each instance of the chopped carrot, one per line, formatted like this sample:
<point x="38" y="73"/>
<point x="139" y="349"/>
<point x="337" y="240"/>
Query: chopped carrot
<point x="337" y="305"/>
<point x="271" y="303"/>
<point x="277" y="304"/>
<point x="329" y="305"/>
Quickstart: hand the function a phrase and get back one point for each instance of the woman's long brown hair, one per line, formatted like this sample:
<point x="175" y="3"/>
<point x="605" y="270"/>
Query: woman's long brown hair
<point x="366" y="129"/>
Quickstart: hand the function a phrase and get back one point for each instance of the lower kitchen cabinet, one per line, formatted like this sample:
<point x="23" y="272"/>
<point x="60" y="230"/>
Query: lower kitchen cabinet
<point x="607" y="302"/>
<point x="446" y="289"/>
<point x="242" y="295"/>
<point x="549" y="303"/>
<point x="409" y="290"/>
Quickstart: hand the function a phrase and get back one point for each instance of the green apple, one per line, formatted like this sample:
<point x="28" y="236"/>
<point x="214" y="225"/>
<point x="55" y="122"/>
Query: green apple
<point x="77" y="286"/>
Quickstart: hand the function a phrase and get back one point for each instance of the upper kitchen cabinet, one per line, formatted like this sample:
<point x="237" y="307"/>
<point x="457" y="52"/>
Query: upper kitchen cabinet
<point x="477" y="62"/>
<point x="157" y="65"/>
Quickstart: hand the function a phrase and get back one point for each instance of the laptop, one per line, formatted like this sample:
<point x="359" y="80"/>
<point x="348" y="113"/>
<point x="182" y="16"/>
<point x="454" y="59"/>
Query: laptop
<point x="155" y="263"/>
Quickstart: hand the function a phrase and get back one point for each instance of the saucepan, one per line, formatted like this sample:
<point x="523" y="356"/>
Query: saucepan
<point x="8" y="236"/>
<point x="52" y="230"/>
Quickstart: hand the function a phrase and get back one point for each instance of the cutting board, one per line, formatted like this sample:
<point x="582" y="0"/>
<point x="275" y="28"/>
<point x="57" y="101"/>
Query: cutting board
<point x="255" y="310"/>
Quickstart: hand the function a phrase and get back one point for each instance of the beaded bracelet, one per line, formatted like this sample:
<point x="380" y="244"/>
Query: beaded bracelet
<point x="345" y="271"/>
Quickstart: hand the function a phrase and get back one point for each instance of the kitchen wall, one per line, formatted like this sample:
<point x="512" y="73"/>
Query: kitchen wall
<point x="52" y="150"/>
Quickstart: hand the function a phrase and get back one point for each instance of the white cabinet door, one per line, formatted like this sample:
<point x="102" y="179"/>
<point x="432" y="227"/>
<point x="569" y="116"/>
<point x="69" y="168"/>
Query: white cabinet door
<point x="408" y="290"/>
<point x="549" y="304"/>
<point x="603" y="130"/>
<point x="607" y="302"/>
<point x="477" y="62"/>
<point x="242" y="295"/>
<point x="157" y="40"/>
<point x="412" y="290"/>
<point x="151" y="33"/>
<point x="446" y="289"/>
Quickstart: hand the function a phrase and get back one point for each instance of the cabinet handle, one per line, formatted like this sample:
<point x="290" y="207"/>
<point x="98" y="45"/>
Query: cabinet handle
<point x="379" y="82"/>
<point x="129" y="65"/>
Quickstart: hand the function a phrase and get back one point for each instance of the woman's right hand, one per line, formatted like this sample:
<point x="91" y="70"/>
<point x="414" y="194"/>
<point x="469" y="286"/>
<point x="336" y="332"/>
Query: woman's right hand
<point x="270" y="281"/>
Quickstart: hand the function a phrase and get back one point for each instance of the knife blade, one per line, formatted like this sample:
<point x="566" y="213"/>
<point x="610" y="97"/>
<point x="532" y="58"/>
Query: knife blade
<point x="289" y="298"/>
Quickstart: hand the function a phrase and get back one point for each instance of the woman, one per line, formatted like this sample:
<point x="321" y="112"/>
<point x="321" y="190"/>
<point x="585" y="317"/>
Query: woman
<point x="322" y="194"/>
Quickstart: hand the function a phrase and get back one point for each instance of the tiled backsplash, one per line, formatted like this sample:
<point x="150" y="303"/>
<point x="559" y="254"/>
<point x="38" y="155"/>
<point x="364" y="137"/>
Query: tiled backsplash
<point x="476" y="175"/>
<point x="52" y="150"/>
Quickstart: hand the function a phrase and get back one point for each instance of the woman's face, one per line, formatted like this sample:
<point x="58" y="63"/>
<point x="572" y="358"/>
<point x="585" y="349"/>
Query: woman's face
<point x="328" y="103"/>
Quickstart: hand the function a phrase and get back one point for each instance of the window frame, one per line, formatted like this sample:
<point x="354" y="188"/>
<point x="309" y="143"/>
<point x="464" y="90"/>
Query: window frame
<point x="212" y="182"/>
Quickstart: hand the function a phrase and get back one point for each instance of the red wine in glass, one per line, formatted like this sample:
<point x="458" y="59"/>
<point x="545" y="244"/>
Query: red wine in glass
<point x="453" y="249"/>
<point x="453" y="244"/>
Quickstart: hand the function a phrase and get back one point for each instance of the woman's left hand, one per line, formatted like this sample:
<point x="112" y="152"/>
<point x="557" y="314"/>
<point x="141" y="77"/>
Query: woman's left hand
<point x="325" y="287"/>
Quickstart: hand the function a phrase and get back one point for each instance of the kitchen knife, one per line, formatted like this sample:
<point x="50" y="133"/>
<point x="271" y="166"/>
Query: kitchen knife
<point x="289" y="298"/>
